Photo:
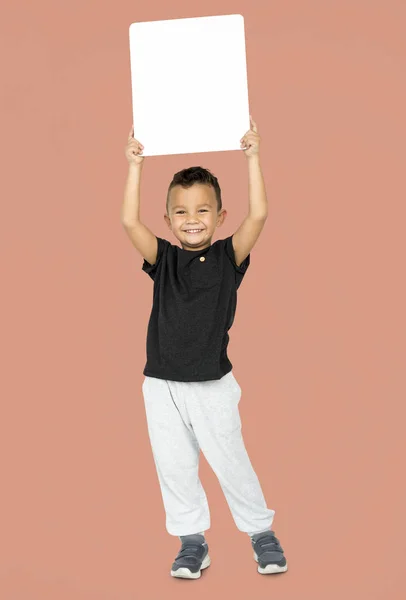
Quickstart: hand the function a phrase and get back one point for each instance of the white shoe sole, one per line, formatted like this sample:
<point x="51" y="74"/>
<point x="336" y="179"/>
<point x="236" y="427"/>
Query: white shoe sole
<point x="187" y="573"/>
<point x="271" y="568"/>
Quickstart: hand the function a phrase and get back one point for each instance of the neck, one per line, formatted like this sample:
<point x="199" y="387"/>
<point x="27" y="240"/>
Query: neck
<point x="207" y="245"/>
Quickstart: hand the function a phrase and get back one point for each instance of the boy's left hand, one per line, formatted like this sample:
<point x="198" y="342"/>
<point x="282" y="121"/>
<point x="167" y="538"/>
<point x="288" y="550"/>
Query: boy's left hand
<point x="251" y="141"/>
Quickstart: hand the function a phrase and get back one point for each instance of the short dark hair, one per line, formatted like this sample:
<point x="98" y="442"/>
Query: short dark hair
<point x="188" y="177"/>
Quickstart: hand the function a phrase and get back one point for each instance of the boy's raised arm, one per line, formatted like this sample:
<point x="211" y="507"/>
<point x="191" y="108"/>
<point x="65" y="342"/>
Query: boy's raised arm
<point x="247" y="234"/>
<point x="141" y="237"/>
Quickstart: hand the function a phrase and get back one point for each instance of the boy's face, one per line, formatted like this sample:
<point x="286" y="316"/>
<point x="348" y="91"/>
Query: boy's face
<point x="194" y="208"/>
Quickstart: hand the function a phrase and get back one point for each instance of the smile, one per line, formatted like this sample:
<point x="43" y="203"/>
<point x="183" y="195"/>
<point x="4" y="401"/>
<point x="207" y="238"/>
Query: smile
<point x="193" y="230"/>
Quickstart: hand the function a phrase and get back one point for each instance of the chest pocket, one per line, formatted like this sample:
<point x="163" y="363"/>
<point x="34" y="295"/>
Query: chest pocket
<point x="204" y="274"/>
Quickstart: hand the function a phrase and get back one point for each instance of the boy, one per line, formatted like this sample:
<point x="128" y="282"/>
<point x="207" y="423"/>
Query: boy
<point x="191" y="395"/>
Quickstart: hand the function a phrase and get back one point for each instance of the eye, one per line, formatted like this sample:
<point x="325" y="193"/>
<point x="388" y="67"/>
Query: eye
<point x="178" y="212"/>
<point x="204" y="209"/>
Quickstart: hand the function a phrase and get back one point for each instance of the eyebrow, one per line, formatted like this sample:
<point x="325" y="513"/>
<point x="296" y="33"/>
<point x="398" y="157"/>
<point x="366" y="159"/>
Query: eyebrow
<point x="182" y="206"/>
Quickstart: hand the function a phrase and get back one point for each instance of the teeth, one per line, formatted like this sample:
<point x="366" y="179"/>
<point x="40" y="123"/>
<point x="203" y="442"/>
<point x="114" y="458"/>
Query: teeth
<point x="193" y="230"/>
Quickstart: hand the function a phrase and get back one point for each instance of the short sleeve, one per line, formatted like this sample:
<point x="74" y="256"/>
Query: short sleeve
<point x="242" y="268"/>
<point x="153" y="269"/>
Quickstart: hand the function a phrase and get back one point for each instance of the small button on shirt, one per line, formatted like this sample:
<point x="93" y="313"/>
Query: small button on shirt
<point x="193" y="308"/>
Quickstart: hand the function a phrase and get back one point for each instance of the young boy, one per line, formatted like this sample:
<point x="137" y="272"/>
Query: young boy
<point x="190" y="393"/>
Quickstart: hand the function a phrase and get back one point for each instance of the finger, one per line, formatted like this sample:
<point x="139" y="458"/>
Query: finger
<point x="131" y="134"/>
<point x="253" y="125"/>
<point x="135" y="143"/>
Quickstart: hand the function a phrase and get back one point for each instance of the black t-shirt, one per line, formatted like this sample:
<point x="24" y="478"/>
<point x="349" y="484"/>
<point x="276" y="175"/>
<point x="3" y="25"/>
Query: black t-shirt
<point x="194" y="303"/>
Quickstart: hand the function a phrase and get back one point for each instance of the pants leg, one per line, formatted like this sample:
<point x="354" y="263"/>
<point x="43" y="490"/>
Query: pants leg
<point x="176" y="456"/>
<point x="213" y="411"/>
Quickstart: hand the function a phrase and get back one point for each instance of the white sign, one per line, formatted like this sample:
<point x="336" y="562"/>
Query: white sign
<point x="189" y="84"/>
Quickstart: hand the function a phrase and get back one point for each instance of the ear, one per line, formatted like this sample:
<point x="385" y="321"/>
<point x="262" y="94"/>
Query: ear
<point x="221" y="217"/>
<point x="168" y="221"/>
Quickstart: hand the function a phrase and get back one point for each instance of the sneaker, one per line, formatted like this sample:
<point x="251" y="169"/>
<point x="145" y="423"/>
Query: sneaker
<point x="192" y="557"/>
<point x="268" y="553"/>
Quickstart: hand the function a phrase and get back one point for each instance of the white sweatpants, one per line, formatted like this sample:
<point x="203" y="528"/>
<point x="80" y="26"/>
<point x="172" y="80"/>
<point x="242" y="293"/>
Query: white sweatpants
<point x="184" y="418"/>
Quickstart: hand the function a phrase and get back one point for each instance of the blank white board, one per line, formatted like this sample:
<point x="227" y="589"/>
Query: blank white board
<point x="189" y="84"/>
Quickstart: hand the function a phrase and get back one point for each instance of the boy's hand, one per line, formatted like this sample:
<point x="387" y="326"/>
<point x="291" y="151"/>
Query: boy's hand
<point x="133" y="149"/>
<point x="251" y="141"/>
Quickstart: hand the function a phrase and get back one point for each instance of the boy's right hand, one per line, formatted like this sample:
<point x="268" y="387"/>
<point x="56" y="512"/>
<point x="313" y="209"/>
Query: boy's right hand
<point x="133" y="149"/>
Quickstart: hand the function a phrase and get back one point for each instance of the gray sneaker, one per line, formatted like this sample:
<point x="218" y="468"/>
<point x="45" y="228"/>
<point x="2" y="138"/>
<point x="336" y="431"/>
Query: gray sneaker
<point x="192" y="557"/>
<point x="268" y="553"/>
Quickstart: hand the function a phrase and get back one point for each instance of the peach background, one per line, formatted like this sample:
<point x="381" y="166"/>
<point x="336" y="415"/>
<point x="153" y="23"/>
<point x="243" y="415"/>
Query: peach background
<point x="318" y="344"/>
